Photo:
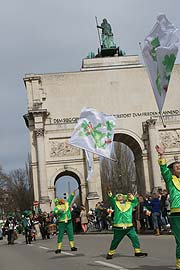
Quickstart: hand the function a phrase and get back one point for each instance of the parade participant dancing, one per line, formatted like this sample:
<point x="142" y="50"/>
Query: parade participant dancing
<point x="172" y="180"/>
<point x="122" y="222"/>
<point x="63" y="213"/>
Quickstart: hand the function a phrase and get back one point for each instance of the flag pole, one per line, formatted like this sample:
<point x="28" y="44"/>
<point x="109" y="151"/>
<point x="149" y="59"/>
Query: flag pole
<point x="161" y="116"/>
<point x="140" y="46"/>
<point x="98" y="31"/>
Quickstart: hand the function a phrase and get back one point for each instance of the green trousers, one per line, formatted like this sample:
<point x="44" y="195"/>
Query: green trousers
<point x="175" y="224"/>
<point x="119" y="234"/>
<point x="65" y="227"/>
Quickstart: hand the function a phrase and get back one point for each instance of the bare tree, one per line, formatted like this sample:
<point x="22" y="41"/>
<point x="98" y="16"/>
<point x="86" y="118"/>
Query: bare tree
<point x="16" y="190"/>
<point x="19" y="192"/>
<point x="3" y="192"/>
<point x="3" y="179"/>
<point x="120" y="174"/>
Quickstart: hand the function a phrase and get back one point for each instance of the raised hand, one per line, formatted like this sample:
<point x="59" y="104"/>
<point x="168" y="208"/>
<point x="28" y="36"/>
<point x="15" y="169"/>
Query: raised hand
<point x="75" y="190"/>
<point x="130" y="196"/>
<point x="109" y="188"/>
<point x="160" y="150"/>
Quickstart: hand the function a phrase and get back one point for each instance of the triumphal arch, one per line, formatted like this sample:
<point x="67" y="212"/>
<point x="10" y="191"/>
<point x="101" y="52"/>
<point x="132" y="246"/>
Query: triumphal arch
<point x="117" y="85"/>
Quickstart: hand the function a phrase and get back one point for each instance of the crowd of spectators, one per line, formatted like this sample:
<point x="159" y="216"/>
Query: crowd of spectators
<point x="151" y="214"/>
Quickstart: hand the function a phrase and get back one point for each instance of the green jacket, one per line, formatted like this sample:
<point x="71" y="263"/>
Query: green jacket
<point x="173" y="186"/>
<point x="63" y="211"/>
<point x="122" y="212"/>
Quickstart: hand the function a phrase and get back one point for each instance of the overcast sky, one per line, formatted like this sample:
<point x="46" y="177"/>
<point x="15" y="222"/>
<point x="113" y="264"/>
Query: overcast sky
<point x="42" y="36"/>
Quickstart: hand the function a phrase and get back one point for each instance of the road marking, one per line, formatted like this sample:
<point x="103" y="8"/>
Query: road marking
<point x="46" y="248"/>
<point x="63" y="252"/>
<point x="43" y="247"/>
<point x="111" y="265"/>
<point x="66" y="253"/>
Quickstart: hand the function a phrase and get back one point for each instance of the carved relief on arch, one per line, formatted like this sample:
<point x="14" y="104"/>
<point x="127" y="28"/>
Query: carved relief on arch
<point x="61" y="149"/>
<point x="170" y="138"/>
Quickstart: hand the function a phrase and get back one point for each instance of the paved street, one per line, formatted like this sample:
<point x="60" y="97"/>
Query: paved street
<point x="91" y="254"/>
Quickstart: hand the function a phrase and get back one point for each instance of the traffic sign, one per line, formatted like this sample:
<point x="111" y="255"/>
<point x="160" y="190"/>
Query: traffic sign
<point x="35" y="203"/>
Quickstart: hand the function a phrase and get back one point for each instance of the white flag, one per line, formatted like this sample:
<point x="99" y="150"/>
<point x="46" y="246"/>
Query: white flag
<point x="94" y="132"/>
<point x="89" y="163"/>
<point x="159" y="53"/>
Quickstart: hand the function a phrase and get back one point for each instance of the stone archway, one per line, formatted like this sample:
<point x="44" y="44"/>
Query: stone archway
<point x="123" y="90"/>
<point x="72" y="175"/>
<point x="136" y="145"/>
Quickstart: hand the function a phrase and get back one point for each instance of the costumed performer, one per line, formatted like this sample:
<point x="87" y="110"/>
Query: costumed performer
<point x="172" y="180"/>
<point x="122" y="222"/>
<point x="64" y="222"/>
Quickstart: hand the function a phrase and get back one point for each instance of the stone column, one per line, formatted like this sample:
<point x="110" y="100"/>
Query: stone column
<point x="94" y="186"/>
<point x="151" y="123"/>
<point x="83" y="190"/>
<point x="44" y="198"/>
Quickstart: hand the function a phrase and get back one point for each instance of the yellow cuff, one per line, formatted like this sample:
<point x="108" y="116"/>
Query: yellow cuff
<point x="162" y="161"/>
<point x="177" y="263"/>
<point x="175" y="210"/>
<point x="123" y="225"/>
<point x="60" y="245"/>
<point x="137" y="250"/>
<point x="71" y="243"/>
<point x="111" y="252"/>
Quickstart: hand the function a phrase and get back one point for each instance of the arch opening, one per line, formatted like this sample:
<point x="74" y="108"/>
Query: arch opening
<point x="65" y="183"/>
<point x="127" y="173"/>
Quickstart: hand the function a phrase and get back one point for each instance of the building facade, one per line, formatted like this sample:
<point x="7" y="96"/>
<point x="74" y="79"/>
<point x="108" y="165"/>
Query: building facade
<point x="116" y="85"/>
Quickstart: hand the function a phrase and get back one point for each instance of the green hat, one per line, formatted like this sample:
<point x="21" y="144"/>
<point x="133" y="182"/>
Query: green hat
<point x="26" y="213"/>
<point x="10" y="214"/>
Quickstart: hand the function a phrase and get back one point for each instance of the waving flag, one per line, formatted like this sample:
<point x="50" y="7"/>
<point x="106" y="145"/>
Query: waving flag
<point x="159" y="53"/>
<point x="89" y="162"/>
<point x="94" y="132"/>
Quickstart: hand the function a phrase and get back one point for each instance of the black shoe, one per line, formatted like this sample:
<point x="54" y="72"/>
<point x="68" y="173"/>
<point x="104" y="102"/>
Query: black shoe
<point x="74" y="249"/>
<point x="140" y="254"/>
<point x="109" y="257"/>
<point x="58" y="251"/>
